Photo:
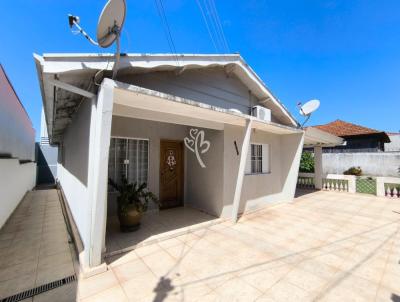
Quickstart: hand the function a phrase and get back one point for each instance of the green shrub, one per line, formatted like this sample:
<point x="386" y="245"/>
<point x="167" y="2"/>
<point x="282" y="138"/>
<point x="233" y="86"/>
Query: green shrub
<point x="353" y="171"/>
<point x="307" y="162"/>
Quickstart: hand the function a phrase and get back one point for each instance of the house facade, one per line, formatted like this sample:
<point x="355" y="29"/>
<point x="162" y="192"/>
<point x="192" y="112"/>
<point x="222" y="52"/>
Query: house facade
<point x="357" y="138"/>
<point x="182" y="124"/>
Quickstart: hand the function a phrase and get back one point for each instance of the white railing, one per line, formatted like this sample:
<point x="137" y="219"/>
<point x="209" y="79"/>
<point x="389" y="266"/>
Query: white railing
<point x="331" y="184"/>
<point x="388" y="187"/>
<point x="385" y="186"/>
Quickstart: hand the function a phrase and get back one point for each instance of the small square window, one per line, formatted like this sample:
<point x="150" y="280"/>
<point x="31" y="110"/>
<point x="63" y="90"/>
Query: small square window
<point x="258" y="159"/>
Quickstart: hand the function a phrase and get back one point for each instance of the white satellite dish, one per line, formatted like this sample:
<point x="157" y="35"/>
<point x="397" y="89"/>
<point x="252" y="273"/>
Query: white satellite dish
<point x="109" y="27"/>
<point x="308" y="108"/>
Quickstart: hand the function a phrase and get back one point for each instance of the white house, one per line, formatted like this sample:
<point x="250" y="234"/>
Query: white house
<point x="136" y="126"/>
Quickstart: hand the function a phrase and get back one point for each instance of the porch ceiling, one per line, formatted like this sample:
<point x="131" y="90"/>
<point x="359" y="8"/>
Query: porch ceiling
<point x="137" y="102"/>
<point x="315" y="137"/>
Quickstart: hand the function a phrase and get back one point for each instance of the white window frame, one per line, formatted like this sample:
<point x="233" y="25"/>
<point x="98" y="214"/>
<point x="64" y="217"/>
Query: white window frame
<point x="126" y="167"/>
<point x="265" y="160"/>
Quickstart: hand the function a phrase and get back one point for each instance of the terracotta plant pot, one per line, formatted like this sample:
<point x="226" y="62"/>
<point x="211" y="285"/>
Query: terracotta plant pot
<point x="129" y="220"/>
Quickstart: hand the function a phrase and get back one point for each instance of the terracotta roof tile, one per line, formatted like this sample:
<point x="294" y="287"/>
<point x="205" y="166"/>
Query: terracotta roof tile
<point x="342" y="128"/>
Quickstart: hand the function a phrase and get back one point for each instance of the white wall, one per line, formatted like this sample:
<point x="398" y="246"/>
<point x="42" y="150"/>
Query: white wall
<point x="394" y="145"/>
<point x="205" y="185"/>
<point x="73" y="168"/>
<point x="262" y="189"/>
<point x="376" y="164"/>
<point x="15" y="180"/>
<point x="17" y="136"/>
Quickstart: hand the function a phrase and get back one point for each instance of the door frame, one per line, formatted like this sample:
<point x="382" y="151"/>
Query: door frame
<point x="182" y="178"/>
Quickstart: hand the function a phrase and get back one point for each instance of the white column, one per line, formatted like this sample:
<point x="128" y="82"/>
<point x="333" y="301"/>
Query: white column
<point x="380" y="186"/>
<point x="99" y="149"/>
<point x="242" y="165"/>
<point x="318" y="167"/>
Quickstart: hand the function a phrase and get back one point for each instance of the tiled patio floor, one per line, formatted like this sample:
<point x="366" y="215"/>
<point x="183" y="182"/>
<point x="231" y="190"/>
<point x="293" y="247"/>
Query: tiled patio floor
<point x="34" y="248"/>
<point x="325" y="246"/>
<point x="154" y="227"/>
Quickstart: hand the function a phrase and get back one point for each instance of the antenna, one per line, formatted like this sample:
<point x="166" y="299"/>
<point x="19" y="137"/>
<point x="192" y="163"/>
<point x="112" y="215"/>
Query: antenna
<point x="109" y="28"/>
<point x="307" y="109"/>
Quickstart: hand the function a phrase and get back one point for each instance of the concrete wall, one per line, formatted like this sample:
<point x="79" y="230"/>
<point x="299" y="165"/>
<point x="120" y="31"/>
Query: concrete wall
<point x="15" y="180"/>
<point x="73" y="169"/>
<point x="376" y="164"/>
<point x="394" y="145"/>
<point x="17" y="136"/>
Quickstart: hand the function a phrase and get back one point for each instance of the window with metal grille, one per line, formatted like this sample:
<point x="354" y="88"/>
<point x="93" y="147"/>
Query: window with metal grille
<point x="128" y="158"/>
<point x="258" y="159"/>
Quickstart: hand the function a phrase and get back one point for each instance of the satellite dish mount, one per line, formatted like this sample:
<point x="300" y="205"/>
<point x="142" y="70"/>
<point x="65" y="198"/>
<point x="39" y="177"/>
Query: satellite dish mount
<point x="307" y="109"/>
<point x="109" y="28"/>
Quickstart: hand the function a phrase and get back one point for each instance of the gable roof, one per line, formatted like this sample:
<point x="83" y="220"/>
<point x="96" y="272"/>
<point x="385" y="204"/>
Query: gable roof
<point x="79" y="69"/>
<point x="346" y="129"/>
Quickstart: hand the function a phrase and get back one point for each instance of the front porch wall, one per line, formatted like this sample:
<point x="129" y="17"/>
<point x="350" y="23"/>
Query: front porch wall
<point x="153" y="131"/>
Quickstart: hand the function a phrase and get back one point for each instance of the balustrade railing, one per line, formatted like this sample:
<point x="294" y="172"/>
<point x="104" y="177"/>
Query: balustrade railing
<point x="392" y="190"/>
<point x="304" y="182"/>
<point x="331" y="184"/>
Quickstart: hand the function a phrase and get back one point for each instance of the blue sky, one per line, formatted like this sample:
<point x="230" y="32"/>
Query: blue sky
<point x="345" y="53"/>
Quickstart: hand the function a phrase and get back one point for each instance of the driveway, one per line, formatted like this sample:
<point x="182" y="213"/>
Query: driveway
<point x="325" y="246"/>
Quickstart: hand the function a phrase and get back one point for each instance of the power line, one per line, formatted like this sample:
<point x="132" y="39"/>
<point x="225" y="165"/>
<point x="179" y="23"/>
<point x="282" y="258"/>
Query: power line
<point x="166" y="27"/>
<point x="213" y="24"/>
<point x="208" y="27"/>
<point x="219" y="25"/>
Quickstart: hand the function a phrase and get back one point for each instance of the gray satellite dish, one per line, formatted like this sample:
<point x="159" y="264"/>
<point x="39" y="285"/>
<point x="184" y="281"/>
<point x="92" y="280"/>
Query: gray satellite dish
<point x="308" y="108"/>
<point x="109" y="27"/>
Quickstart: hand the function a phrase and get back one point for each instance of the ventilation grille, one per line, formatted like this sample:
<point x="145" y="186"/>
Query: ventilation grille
<point x="40" y="289"/>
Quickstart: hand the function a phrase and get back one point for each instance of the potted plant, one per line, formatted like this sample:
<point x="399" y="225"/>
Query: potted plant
<point x="133" y="201"/>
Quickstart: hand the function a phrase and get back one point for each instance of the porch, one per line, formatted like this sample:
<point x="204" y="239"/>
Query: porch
<point x="155" y="227"/>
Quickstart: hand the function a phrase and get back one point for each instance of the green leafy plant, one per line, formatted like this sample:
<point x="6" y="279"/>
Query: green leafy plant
<point x="132" y="194"/>
<point x="353" y="171"/>
<point x="307" y="162"/>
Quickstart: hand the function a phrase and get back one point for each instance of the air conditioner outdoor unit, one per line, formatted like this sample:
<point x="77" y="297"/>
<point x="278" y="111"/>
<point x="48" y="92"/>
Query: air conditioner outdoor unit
<point x="261" y="112"/>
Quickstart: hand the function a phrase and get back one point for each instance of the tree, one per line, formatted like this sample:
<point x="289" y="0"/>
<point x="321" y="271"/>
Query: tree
<point x="307" y="162"/>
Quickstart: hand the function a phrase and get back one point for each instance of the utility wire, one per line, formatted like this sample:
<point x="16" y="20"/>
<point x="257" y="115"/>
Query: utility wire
<point x="219" y="25"/>
<point x="208" y="27"/>
<point x="166" y="27"/>
<point x="213" y="24"/>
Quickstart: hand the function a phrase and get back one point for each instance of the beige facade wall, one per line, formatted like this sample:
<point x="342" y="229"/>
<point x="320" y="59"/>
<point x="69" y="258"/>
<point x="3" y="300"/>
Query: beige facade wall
<point x="261" y="189"/>
<point x="211" y="189"/>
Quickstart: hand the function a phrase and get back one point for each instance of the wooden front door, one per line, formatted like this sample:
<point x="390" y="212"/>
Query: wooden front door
<point x="171" y="174"/>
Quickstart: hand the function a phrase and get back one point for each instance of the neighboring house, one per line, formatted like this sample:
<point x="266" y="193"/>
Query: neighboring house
<point x="17" y="149"/>
<point x="46" y="157"/>
<point x="137" y="127"/>
<point x="357" y="138"/>
<point x="394" y="145"/>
